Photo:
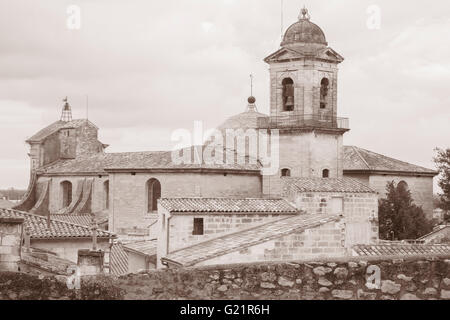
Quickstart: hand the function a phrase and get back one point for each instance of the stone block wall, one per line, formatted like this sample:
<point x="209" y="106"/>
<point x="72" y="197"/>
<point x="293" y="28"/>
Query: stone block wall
<point x="10" y="243"/>
<point x="360" y="211"/>
<point x="327" y="240"/>
<point x="128" y="192"/>
<point x="421" y="189"/>
<point x="181" y="226"/>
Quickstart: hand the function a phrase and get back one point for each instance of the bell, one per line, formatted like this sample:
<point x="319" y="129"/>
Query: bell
<point x="290" y="101"/>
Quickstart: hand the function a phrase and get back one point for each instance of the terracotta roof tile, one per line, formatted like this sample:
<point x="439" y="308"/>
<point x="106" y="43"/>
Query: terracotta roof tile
<point x="58" y="229"/>
<point x="243" y="239"/>
<point x="227" y="205"/>
<point x="325" y="185"/>
<point x="84" y="220"/>
<point x="358" y="159"/>
<point x="399" y="249"/>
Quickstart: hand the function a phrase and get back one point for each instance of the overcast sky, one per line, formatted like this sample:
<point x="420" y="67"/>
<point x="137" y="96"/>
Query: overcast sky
<point x="150" y="67"/>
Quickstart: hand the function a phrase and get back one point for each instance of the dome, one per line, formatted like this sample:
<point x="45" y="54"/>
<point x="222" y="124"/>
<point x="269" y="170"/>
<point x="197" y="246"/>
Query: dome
<point x="244" y="120"/>
<point x="304" y="32"/>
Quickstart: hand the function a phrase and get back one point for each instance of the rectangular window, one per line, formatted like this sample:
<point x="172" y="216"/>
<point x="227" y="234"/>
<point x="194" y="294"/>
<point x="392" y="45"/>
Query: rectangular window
<point x="198" y="227"/>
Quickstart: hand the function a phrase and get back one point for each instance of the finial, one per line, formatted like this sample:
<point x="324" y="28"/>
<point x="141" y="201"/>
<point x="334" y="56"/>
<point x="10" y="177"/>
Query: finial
<point x="66" y="115"/>
<point x="304" y="14"/>
<point x="251" y="100"/>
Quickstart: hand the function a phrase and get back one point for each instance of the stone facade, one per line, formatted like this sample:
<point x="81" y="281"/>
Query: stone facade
<point x="215" y="225"/>
<point x="128" y="208"/>
<point x="327" y="240"/>
<point x="421" y="187"/>
<point x="360" y="211"/>
<point x="10" y="243"/>
<point x="68" y="248"/>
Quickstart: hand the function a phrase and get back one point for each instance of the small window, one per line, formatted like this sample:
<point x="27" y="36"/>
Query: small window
<point x="288" y="94"/>
<point x="106" y="194"/>
<point x="66" y="187"/>
<point x="326" y="173"/>
<point x="198" y="227"/>
<point x="285" y="172"/>
<point x="324" y="93"/>
<point x="153" y="194"/>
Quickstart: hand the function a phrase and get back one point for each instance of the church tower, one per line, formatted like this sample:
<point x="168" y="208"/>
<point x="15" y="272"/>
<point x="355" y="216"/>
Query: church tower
<point x="303" y="103"/>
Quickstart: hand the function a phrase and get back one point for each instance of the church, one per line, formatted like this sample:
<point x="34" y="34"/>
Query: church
<point x="321" y="201"/>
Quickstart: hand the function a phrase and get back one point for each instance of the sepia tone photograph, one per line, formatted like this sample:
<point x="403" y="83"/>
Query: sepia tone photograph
<point x="247" y="152"/>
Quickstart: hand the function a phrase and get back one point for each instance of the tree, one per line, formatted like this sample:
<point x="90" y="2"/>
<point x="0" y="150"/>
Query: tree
<point x="399" y="218"/>
<point x="442" y="161"/>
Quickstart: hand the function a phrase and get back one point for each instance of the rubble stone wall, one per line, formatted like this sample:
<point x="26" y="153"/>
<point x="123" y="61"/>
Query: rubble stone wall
<point x="380" y="278"/>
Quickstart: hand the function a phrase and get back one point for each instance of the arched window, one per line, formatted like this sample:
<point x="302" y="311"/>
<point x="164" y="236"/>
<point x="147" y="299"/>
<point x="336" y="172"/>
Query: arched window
<point x="402" y="185"/>
<point x="324" y="92"/>
<point x="325" y="173"/>
<point x="285" y="172"/>
<point x="153" y="194"/>
<point x="106" y="194"/>
<point x="66" y="190"/>
<point x="288" y="94"/>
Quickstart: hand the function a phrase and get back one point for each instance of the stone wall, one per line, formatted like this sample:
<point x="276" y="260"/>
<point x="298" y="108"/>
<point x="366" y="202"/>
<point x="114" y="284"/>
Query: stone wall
<point x="128" y="192"/>
<point x="214" y="225"/>
<point x="421" y="189"/>
<point x="418" y="278"/>
<point x="327" y="240"/>
<point x="414" y="278"/>
<point x="360" y="211"/>
<point x="10" y="242"/>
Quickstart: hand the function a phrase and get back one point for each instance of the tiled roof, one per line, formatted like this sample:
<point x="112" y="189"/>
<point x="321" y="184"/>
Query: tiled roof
<point x="56" y="126"/>
<point x="227" y="205"/>
<point x="118" y="260"/>
<point x="147" y="248"/>
<point x="58" y="229"/>
<point x="244" y="120"/>
<point x="326" y="185"/>
<point x="84" y="220"/>
<point x="358" y="159"/>
<point x="243" y="239"/>
<point x="129" y="161"/>
<point x="399" y="249"/>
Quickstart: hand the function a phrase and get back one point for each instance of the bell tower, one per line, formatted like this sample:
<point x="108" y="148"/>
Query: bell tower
<point x="303" y="102"/>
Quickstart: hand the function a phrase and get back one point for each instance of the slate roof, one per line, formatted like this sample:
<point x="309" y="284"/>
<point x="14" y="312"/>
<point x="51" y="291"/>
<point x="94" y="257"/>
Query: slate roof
<point x="147" y="248"/>
<point x="212" y="205"/>
<point x="358" y="159"/>
<point x="247" y="238"/>
<point x="55" y="127"/>
<point x="326" y="185"/>
<point x="399" y="249"/>
<point x="129" y="161"/>
<point x="58" y="229"/>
